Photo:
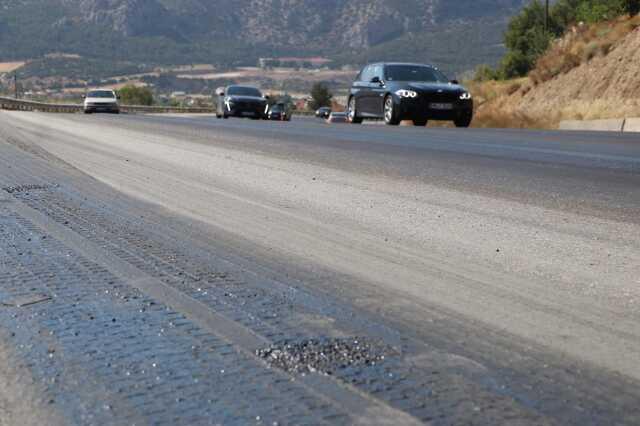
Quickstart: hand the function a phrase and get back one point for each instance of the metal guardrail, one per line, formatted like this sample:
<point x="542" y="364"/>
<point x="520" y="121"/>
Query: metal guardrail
<point x="165" y="110"/>
<point x="24" y="105"/>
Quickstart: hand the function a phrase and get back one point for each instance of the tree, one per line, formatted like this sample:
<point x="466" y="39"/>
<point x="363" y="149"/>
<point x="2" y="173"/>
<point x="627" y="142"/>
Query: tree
<point x="132" y="95"/>
<point x="632" y="7"/>
<point x="526" y="39"/>
<point x="321" y="96"/>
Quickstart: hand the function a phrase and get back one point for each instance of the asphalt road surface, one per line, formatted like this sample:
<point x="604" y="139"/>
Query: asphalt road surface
<point x="164" y="269"/>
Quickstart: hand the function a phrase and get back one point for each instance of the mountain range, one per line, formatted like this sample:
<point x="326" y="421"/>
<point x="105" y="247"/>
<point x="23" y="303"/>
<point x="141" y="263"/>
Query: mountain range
<point x="459" y="33"/>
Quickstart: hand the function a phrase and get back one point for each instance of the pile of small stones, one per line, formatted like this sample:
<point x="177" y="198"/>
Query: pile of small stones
<point x="325" y="355"/>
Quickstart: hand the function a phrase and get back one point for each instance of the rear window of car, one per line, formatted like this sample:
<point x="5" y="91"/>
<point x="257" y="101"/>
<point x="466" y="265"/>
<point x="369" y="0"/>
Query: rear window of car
<point x="418" y="73"/>
<point x="243" y="91"/>
<point x="101" y="94"/>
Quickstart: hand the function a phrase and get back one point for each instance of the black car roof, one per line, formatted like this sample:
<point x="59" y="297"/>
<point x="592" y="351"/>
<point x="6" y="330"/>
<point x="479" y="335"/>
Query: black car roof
<point x="243" y="85"/>
<point x="412" y="64"/>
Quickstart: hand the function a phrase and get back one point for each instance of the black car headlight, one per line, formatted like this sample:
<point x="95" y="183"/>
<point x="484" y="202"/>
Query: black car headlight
<point x="407" y="93"/>
<point x="466" y="96"/>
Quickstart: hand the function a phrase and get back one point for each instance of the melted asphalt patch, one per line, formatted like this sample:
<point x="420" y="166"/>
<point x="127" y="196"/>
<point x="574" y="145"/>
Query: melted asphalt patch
<point x="325" y="355"/>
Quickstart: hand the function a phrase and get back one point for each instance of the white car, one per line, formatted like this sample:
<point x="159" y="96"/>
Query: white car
<point x="103" y="100"/>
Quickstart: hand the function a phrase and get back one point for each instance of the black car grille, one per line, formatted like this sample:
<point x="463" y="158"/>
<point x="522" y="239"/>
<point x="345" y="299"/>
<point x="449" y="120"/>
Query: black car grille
<point x="450" y="98"/>
<point x="248" y="106"/>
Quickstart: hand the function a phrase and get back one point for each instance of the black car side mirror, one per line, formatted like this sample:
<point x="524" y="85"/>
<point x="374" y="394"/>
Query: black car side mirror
<point x="455" y="82"/>
<point x="376" y="80"/>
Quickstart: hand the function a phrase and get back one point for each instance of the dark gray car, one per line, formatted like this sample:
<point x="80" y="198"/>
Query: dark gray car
<point x="241" y="101"/>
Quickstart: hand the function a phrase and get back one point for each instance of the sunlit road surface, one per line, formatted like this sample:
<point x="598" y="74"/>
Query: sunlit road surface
<point x="199" y="271"/>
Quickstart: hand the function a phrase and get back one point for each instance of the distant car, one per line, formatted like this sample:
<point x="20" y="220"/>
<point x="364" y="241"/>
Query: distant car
<point x="103" y="100"/>
<point x="397" y="91"/>
<point x="279" y="112"/>
<point x="338" y="117"/>
<point x="241" y="101"/>
<point x="323" y="112"/>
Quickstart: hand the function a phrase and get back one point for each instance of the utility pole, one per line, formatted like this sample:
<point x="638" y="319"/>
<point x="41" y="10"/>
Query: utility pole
<point x="546" y="16"/>
<point x="15" y="84"/>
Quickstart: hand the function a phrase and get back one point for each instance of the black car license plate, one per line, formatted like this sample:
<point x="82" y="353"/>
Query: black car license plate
<point x="441" y="106"/>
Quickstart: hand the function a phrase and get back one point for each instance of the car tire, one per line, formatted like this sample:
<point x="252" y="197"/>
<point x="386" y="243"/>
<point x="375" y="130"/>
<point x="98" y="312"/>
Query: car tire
<point x="463" y="122"/>
<point x="422" y="122"/>
<point x="390" y="112"/>
<point x="87" y="111"/>
<point x="352" y="112"/>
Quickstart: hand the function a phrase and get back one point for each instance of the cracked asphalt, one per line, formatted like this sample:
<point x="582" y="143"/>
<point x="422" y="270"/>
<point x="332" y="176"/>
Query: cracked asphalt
<point x="185" y="270"/>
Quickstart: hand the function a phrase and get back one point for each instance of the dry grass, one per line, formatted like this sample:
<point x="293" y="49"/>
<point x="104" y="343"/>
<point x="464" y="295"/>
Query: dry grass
<point x="493" y="111"/>
<point x="581" y="45"/>
<point x="501" y="109"/>
<point x="599" y="109"/>
<point x="505" y="104"/>
<point x="496" y="116"/>
<point x="490" y="91"/>
<point x="10" y="66"/>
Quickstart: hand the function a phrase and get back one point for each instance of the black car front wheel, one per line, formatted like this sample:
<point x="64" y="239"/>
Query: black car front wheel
<point x="390" y="112"/>
<point x="463" y="121"/>
<point x="352" y="112"/>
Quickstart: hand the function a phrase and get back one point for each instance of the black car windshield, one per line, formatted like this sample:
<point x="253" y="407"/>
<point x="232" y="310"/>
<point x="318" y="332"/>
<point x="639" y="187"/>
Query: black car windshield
<point x="101" y="94"/>
<point x="417" y="73"/>
<point x="243" y="91"/>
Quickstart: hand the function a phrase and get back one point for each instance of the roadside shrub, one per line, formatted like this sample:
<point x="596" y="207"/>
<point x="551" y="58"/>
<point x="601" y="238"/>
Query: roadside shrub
<point x="321" y="96"/>
<point x="515" y="64"/>
<point x="133" y="95"/>
<point x="485" y="73"/>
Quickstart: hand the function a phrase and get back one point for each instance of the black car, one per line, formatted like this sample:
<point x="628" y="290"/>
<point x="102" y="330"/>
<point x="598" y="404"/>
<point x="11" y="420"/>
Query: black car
<point x="323" y="112"/>
<point x="396" y="92"/>
<point x="241" y="101"/>
<point x="279" y="112"/>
